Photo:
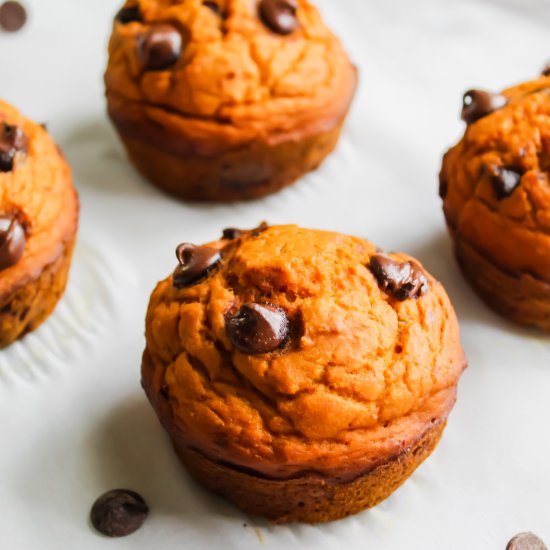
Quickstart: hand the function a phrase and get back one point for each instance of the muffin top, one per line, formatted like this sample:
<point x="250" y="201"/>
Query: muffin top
<point x="495" y="182"/>
<point x="255" y="69"/>
<point x="38" y="205"/>
<point x="286" y="350"/>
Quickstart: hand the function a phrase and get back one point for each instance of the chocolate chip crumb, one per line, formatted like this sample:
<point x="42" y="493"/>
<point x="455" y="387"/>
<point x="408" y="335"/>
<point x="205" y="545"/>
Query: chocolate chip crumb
<point x="233" y="233"/>
<point x="215" y="7"/>
<point x="119" y="512"/>
<point x="443" y="187"/>
<point x="279" y="15"/>
<point x="526" y="541"/>
<point x="258" y="328"/>
<point x="401" y="280"/>
<point x="479" y="103"/>
<point x="12" y="241"/>
<point x="13" y="16"/>
<point x="128" y="14"/>
<point x="504" y="181"/>
<point x="12" y="141"/>
<point x="196" y="262"/>
<point x="160" y="48"/>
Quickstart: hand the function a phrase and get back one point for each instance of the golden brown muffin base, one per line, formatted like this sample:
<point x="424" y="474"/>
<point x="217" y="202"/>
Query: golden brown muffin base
<point x="26" y="307"/>
<point x="520" y="298"/>
<point x="308" y="498"/>
<point x="249" y="172"/>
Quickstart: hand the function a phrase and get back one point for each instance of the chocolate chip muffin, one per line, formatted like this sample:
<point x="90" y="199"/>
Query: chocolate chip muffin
<point x="495" y="188"/>
<point x="38" y="224"/>
<point x="302" y="374"/>
<point x="226" y="99"/>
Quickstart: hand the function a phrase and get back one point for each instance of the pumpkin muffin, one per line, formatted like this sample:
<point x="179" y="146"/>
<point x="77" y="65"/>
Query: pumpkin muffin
<point x="495" y="188"/>
<point x="38" y="224"/>
<point x="226" y="99"/>
<point x="302" y="374"/>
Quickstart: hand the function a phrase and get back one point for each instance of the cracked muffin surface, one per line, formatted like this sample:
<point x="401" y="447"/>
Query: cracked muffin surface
<point x="359" y="375"/>
<point x="210" y="81"/>
<point x="38" y="224"/>
<point x="495" y="185"/>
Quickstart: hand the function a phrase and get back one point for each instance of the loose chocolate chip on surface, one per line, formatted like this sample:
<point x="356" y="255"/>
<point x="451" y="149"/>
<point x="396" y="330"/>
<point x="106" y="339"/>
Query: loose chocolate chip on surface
<point x="160" y="47"/>
<point x="128" y="14"/>
<point x="119" y="512"/>
<point x="526" y="541"/>
<point x="12" y="140"/>
<point x="196" y="262"/>
<point x="546" y="70"/>
<point x="402" y="280"/>
<point x="279" y="15"/>
<point x="479" y="103"/>
<point x="13" y="16"/>
<point x="233" y="233"/>
<point x="12" y="241"/>
<point x="258" y="328"/>
<point x="504" y="181"/>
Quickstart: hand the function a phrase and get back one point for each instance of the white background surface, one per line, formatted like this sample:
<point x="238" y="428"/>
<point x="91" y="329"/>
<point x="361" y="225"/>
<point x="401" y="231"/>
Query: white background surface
<point x="73" y="419"/>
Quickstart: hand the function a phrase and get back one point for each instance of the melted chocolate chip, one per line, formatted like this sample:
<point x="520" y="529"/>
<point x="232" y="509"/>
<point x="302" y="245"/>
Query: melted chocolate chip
<point x="233" y="233"/>
<point x="13" y="16"/>
<point x="258" y="328"/>
<point x="196" y="262"/>
<point x="160" y="48"/>
<point x="504" y="181"/>
<point x="526" y="541"/>
<point x="12" y="141"/>
<point x="401" y="280"/>
<point x="12" y="241"/>
<point x="479" y="103"/>
<point x="128" y="14"/>
<point x="279" y="15"/>
<point x="119" y="512"/>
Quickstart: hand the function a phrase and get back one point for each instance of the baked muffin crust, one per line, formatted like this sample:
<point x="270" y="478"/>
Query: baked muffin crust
<point x="235" y="85"/>
<point x="362" y="377"/>
<point x="496" y="191"/>
<point x="37" y="193"/>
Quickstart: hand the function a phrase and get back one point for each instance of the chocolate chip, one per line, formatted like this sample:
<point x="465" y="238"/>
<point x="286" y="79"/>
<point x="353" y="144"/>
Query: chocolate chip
<point x="401" y="280"/>
<point x="196" y="262"/>
<point x="504" y="181"/>
<point x="119" y="512"/>
<point x="279" y="15"/>
<point x="546" y="70"/>
<point x="526" y="541"/>
<point x="233" y="233"/>
<point x="128" y="14"/>
<point x="479" y="103"/>
<point x="258" y="328"/>
<point x="12" y="241"/>
<point x="13" y="16"/>
<point x="160" y="47"/>
<point x="12" y="141"/>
